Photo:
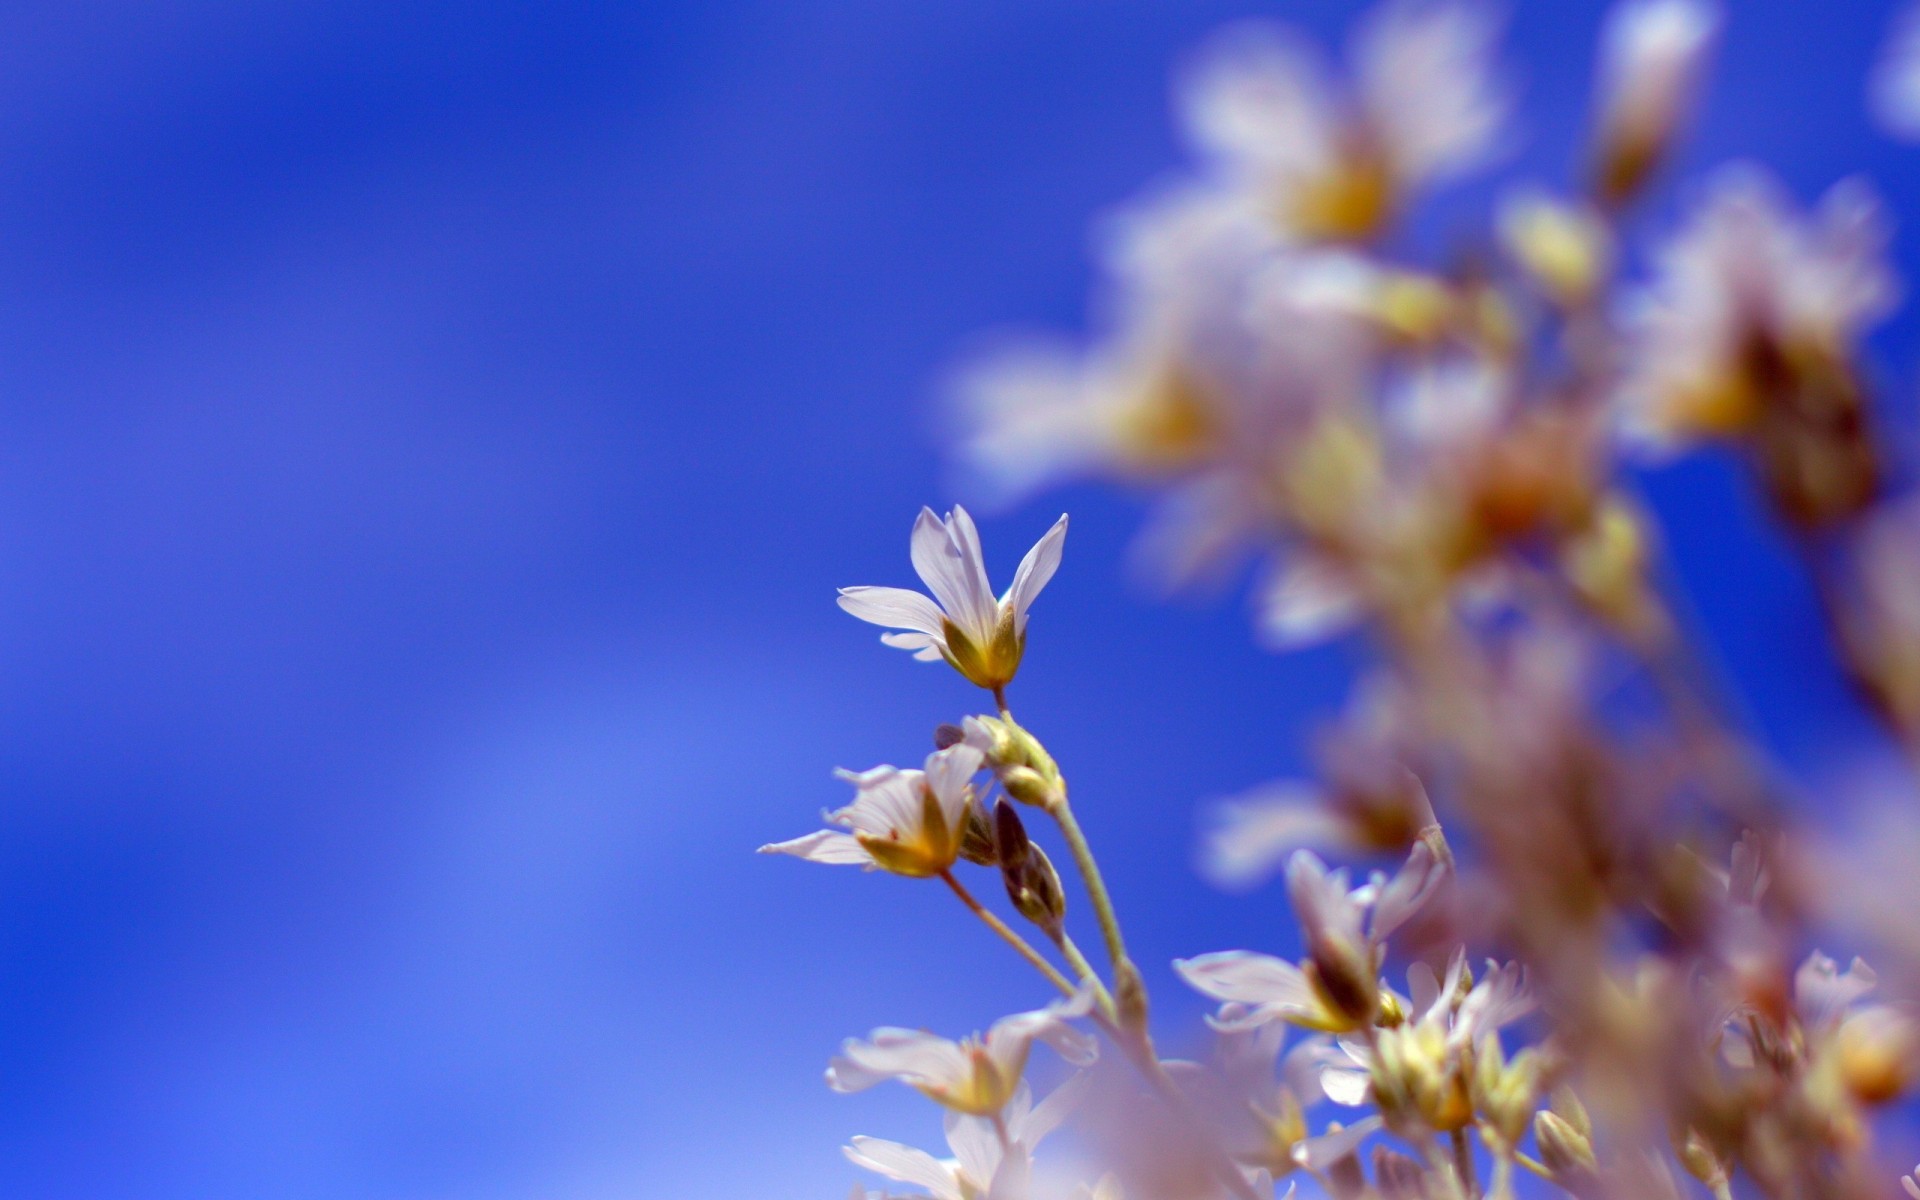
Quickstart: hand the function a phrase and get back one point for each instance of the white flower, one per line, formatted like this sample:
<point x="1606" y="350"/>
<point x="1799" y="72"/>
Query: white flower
<point x="1752" y="298"/>
<point x="1338" y="988"/>
<point x="978" y="1075"/>
<point x="1651" y="55"/>
<point x="908" y="822"/>
<point x="1425" y="108"/>
<point x="982" y="1167"/>
<point x="981" y="636"/>
<point x="1911" y="1183"/>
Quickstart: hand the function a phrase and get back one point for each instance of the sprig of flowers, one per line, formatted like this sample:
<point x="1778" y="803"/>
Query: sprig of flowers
<point x="1443" y="456"/>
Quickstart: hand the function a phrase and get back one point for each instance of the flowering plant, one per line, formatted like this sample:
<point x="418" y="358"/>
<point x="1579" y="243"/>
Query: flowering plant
<point x="1602" y="908"/>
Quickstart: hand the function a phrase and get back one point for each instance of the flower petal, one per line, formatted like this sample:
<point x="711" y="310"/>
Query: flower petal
<point x="912" y="1055"/>
<point x="823" y="846"/>
<point x="905" y="1164"/>
<point x="1247" y="977"/>
<point x="949" y="772"/>
<point x="1248" y="836"/>
<point x="1036" y="569"/>
<point x="926" y="647"/>
<point x="975" y="1144"/>
<point x="896" y="608"/>
<point x="1319" y="1153"/>
<point x="953" y="573"/>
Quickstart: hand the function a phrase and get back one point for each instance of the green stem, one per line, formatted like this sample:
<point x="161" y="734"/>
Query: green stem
<point x="1084" y="969"/>
<point x="1062" y="813"/>
<point x="1020" y="944"/>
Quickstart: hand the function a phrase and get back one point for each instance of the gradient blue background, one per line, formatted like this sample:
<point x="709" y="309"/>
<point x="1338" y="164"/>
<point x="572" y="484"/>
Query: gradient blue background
<point x="430" y="435"/>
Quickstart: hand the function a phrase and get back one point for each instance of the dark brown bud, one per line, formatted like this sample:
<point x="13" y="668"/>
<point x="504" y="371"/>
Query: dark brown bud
<point x="976" y="838"/>
<point x="1010" y="835"/>
<point x="1034" y="887"/>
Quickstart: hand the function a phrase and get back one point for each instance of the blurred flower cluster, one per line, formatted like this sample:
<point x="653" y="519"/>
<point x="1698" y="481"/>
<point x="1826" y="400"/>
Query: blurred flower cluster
<point x="1576" y="941"/>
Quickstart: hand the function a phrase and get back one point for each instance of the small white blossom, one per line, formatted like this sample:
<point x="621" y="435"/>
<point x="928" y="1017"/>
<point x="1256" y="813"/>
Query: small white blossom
<point x="980" y="635"/>
<point x="982" y="1167"/>
<point x="1751" y="292"/>
<point x="1425" y="107"/>
<point x="977" y="1075"/>
<point x="907" y="822"/>
<point x="1338" y="988"/>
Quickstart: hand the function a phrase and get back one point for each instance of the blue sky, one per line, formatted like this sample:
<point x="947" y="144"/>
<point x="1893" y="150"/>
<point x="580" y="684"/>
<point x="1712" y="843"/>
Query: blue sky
<point x="430" y="435"/>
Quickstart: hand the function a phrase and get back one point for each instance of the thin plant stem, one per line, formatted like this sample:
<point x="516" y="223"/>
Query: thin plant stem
<point x="1463" y="1161"/>
<point x="1062" y="813"/>
<point x="1533" y="1164"/>
<point x="1078" y="961"/>
<point x="1501" y="1188"/>
<point x="1020" y="944"/>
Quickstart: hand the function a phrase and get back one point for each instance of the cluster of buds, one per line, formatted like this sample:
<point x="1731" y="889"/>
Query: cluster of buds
<point x="1441" y="454"/>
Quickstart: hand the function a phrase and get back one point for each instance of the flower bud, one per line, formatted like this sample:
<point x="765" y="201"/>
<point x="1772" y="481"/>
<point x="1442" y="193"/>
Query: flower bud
<point x="1567" y="1107"/>
<point x="1009" y="835"/>
<point x="1699" y="1159"/>
<point x="976" y="838"/>
<point x="946" y="735"/>
<point x="1564" y="1149"/>
<point x="1563" y="248"/>
<point x="1027" y="786"/>
<point x="1505" y="1092"/>
<point x="1036" y="892"/>
<point x="991" y="736"/>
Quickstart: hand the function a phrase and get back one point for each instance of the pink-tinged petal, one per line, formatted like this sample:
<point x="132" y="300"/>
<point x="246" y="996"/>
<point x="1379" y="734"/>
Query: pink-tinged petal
<point x="1908" y="1182"/>
<point x="1416" y="883"/>
<point x="1036" y="569"/>
<point x="1311" y="599"/>
<point x="904" y="1164"/>
<point x="1500" y="998"/>
<point x="1319" y="1153"/>
<point x="1328" y="913"/>
<point x="1010" y="1037"/>
<point x="895" y="608"/>
<point x="1242" y="975"/>
<point x="825" y="846"/>
<point x="1301" y="1068"/>
<point x="949" y="772"/>
<point x="953" y="575"/>
<point x="1423" y="988"/>
<point x="913" y="1055"/>
<point x="1344" y="1086"/>
<point x="1010" y="1182"/>
<point x="870" y="777"/>
<point x="1257" y="96"/>
<point x="1247" y="837"/>
<point x="1429" y="87"/>
<point x="925" y="646"/>
<point x="975" y="1144"/>
<point x="966" y="538"/>
<point x="887" y="806"/>
<point x="1047" y="1115"/>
